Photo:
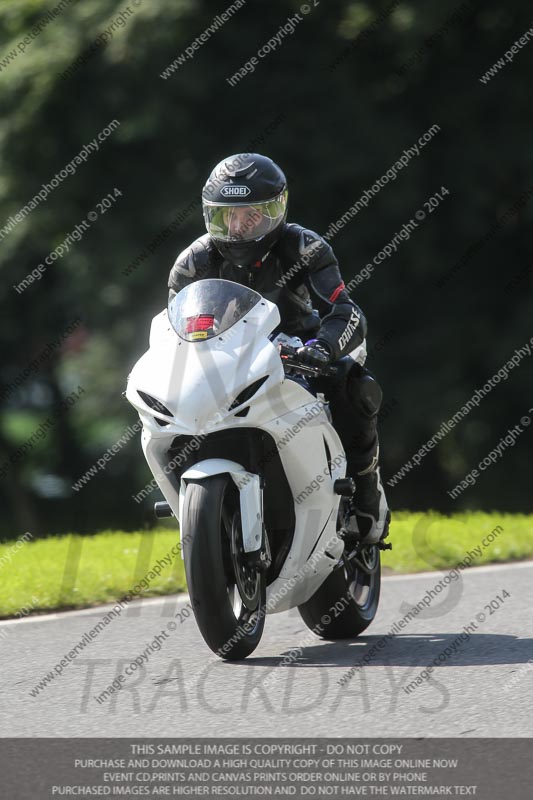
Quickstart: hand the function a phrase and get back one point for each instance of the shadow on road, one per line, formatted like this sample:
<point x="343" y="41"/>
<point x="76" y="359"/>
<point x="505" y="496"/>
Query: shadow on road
<point x="405" y="651"/>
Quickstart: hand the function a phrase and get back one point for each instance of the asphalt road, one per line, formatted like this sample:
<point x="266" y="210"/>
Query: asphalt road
<point x="483" y="688"/>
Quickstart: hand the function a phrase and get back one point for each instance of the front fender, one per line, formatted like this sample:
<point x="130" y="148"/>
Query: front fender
<point x="250" y="495"/>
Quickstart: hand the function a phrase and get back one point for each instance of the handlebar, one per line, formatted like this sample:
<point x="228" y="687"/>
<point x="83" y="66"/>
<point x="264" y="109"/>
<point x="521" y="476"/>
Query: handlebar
<point x="289" y="358"/>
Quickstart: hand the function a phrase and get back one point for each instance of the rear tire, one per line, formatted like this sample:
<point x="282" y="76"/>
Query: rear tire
<point x="347" y="602"/>
<point x="227" y="596"/>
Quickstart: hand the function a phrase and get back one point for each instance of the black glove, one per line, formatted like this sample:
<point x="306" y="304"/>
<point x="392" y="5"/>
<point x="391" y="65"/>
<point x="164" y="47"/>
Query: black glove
<point x="315" y="352"/>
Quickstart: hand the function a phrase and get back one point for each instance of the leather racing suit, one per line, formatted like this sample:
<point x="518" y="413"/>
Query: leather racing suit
<point x="301" y="275"/>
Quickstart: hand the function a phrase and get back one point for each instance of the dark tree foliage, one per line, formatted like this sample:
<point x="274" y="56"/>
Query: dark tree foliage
<point x="351" y="88"/>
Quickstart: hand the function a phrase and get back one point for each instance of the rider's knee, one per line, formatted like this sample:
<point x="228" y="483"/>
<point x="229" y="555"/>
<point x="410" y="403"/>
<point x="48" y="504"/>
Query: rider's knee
<point x="364" y="391"/>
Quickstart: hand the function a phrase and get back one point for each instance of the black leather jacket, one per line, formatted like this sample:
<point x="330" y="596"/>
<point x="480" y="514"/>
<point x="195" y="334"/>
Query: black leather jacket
<point x="300" y="274"/>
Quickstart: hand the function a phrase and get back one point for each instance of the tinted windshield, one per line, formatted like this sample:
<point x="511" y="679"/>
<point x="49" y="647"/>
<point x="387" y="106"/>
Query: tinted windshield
<point x="207" y="308"/>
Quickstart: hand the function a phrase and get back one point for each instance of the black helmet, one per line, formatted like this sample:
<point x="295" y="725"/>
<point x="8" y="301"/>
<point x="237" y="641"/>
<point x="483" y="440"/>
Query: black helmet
<point x="245" y="204"/>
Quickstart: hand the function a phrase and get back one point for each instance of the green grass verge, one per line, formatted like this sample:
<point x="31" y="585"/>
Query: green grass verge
<point x="80" y="571"/>
<point x="428" y="541"/>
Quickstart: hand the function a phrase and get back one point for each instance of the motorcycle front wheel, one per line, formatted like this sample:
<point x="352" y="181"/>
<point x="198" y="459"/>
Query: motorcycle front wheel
<point x="227" y="592"/>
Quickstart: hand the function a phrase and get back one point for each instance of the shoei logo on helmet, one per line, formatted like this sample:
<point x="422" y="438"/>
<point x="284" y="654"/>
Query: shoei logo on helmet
<point x="235" y="191"/>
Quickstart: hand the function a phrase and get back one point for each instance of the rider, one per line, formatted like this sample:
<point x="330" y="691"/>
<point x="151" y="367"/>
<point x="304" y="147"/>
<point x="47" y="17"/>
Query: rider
<point x="249" y="241"/>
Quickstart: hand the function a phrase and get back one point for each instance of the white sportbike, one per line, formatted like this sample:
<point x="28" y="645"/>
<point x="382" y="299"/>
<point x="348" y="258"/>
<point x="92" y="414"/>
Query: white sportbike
<point x="249" y="463"/>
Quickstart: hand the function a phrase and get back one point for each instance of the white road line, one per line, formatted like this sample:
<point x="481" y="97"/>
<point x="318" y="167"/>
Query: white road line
<point x="97" y="611"/>
<point x="471" y="570"/>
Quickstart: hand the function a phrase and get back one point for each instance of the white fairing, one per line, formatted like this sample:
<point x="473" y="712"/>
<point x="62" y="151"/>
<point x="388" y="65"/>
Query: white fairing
<point x="197" y="382"/>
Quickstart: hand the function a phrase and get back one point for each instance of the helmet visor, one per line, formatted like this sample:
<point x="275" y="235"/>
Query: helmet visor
<point x="244" y="223"/>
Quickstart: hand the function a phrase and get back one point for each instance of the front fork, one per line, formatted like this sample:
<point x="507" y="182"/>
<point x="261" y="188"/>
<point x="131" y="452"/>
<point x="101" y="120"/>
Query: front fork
<point x="261" y="559"/>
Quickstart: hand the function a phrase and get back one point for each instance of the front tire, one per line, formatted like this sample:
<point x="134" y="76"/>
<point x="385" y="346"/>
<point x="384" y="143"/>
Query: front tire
<point x="227" y="594"/>
<point x="347" y="602"/>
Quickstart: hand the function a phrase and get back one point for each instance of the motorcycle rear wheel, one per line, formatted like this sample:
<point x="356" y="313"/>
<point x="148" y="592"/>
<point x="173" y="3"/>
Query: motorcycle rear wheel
<point x="347" y="602"/>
